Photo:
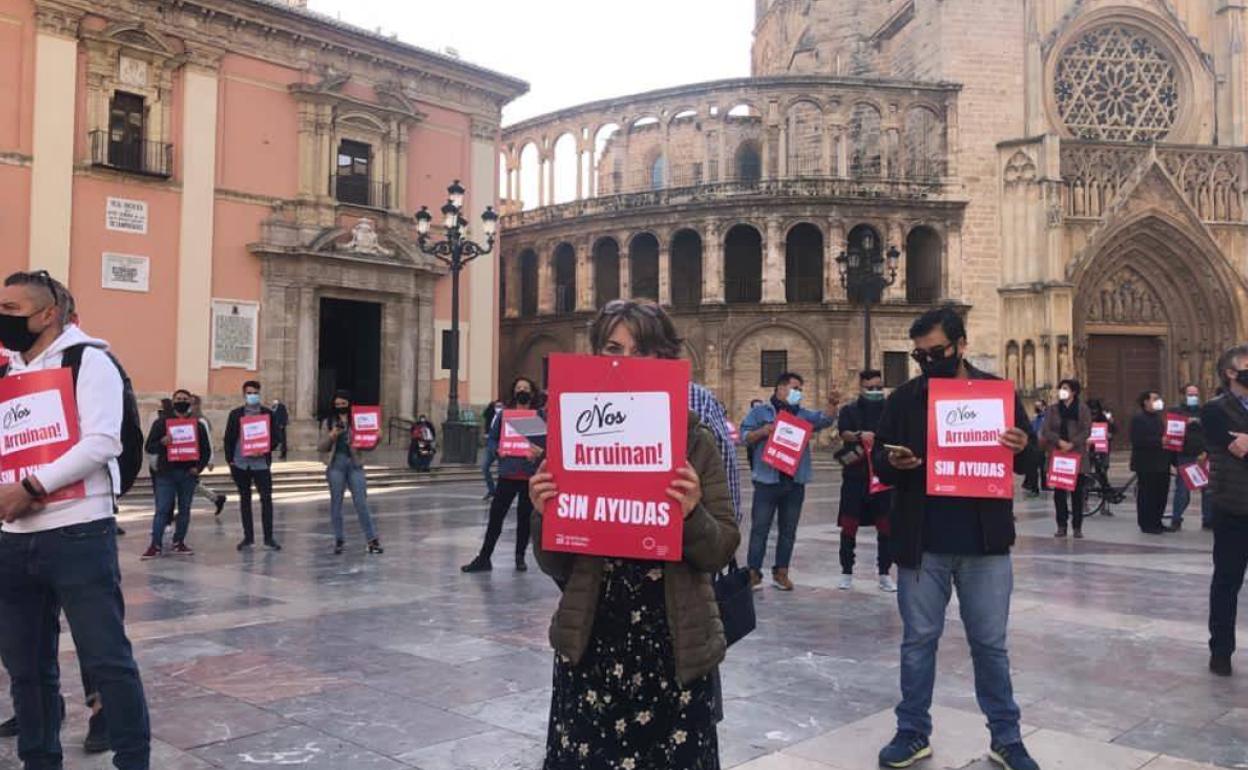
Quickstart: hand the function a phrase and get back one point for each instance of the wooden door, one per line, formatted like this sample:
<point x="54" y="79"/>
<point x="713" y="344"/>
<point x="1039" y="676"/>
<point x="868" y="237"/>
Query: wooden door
<point x="1119" y="368"/>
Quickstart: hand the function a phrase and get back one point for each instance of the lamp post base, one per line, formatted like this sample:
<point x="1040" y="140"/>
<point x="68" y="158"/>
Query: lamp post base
<point x="459" y="442"/>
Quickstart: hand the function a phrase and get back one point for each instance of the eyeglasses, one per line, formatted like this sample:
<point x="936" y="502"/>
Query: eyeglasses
<point x="931" y="354"/>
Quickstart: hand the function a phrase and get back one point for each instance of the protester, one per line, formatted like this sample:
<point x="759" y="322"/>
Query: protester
<point x="175" y="480"/>
<point x="63" y="554"/>
<point x="776" y="492"/>
<point x="203" y="490"/>
<point x="248" y="470"/>
<point x="1225" y="423"/>
<point x="1193" y="452"/>
<point x="344" y="468"/>
<point x="1066" y="428"/>
<point x="943" y="544"/>
<point x="423" y="446"/>
<point x="859" y="507"/>
<point x="1035" y="478"/>
<point x="281" y="421"/>
<point x="632" y="689"/>
<point x="513" y="484"/>
<point x="749" y="456"/>
<point x="493" y="413"/>
<point x="1150" y="461"/>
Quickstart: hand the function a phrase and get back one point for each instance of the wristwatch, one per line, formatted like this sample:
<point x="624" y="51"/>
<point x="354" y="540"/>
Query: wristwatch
<point x="32" y="490"/>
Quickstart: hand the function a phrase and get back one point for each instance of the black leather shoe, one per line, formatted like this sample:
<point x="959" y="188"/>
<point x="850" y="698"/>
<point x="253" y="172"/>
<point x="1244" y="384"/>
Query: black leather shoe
<point x="8" y="728"/>
<point x="96" y="741"/>
<point x="272" y="545"/>
<point x="1221" y="665"/>
<point x="479" y="564"/>
<point x="245" y="544"/>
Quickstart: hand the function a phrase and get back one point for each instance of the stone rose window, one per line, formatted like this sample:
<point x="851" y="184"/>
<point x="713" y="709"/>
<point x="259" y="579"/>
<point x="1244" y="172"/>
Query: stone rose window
<point x="1116" y="83"/>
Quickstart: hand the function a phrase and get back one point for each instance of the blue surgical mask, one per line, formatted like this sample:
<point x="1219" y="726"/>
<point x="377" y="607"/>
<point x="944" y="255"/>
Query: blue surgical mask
<point x="1193" y="400"/>
<point x="873" y="395"/>
<point x="252" y="399"/>
<point x="795" y="397"/>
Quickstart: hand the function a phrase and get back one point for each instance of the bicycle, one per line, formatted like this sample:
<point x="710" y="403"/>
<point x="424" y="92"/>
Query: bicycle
<point x="1101" y="493"/>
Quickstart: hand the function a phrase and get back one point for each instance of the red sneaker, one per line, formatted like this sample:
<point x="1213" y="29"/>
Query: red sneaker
<point x="152" y="552"/>
<point x="182" y="549"/>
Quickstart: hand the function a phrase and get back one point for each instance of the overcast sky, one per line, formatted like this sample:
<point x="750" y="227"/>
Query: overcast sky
<point x="572" y="51"/>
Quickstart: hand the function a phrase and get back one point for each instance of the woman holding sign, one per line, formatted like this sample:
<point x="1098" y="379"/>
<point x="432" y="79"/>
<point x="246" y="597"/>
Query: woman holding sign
<point x="516" y="464"/>
<point x="182" y="448"/>
<point x="1064" y="434"/>
<point x="637" y="641"/>
<point x="344" y="468"/>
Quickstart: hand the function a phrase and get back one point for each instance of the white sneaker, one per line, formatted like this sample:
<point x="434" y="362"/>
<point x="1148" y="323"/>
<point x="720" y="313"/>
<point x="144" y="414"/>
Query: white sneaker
<point x="887" y="585"/>
<point x="846" y="582"/>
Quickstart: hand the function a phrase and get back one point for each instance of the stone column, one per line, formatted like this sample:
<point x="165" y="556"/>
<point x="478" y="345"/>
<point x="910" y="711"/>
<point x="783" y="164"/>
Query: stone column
<point x="896" y="237"/>
<point x="842" y="153"/>
<point x="712" y="264"/>
<point x="665" y="271"/>
<point x="773" y="263"/>
<point x="541" y="180"/>
<point x="580" y="174"/>
<point x="545" y="281"/>
<point x="626" y="267"/>
<point x="723" y="171"/>
<point x="667" y="157"/>
<point x="52" y="168"/>
<point x="424" y="350"/>
<point x="585" y="276"/>
<point x="833" y="245"/>
<point x="306" y="353"/>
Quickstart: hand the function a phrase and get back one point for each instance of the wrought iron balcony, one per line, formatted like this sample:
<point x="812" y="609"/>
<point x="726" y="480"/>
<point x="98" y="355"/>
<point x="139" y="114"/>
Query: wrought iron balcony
<point x="359" y="191"/>
<point x="141" y="157"/>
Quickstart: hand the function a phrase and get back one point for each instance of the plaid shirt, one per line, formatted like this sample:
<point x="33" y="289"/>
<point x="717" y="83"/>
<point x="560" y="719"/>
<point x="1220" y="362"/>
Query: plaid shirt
<point x="703" y="403"/>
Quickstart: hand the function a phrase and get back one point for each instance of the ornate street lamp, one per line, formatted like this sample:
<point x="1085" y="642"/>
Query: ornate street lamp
<point x="865" y="273"/>
<point x="455" y="251"/>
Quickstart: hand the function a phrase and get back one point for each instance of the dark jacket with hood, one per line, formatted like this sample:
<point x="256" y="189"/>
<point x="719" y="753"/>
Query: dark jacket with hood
<point x="904" y="423"/>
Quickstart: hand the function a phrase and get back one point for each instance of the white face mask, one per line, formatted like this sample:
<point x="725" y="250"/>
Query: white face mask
<point x="1109" y="415"/>
<point x="1158" y="405"/>
<point x="1063" y="394"/>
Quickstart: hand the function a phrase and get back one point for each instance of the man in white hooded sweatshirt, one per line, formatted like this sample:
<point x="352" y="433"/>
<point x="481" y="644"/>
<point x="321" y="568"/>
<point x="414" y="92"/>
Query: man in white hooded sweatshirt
<point x="58" y="550"/>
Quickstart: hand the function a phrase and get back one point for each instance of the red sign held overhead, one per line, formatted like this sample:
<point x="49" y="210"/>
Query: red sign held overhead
<point x="966" y="420"/>
<point x="1064" y="470"/>
<point x="787" y="443"/>
<point x="183" y="436"/>
<point x="1194" y="475"/>
<point x="618" y="429"/>
<point x="1175" y="433"/>
<point x="365" y="427"/>
<point x="1098" y="439"/>
<point x="40" y="423"/>
<point x="257" y="435"/>
<point x="510" y="442"/>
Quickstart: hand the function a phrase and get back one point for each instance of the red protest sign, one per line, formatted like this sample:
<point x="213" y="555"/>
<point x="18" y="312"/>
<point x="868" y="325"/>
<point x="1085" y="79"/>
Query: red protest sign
<point x="966" y="419"/>
<point x="1175" y="433"/>
<point x="1064" y="470"/>
<point x="183" y="446"/>
<point x="875" y="485"/>
<point x="1098" y="439"/>
<point x="787" y="443"/>
<point x="510" y="442"/>
<point x="365" y="427"/>
<point x="618" y="429"/>
<point x="257" y="435"/>
<point x="40" y="424"/>
<point x="1194" y="475"/>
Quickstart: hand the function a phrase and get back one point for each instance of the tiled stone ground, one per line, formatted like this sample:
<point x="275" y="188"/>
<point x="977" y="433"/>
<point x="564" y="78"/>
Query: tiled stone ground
<point x="399" y="661"/>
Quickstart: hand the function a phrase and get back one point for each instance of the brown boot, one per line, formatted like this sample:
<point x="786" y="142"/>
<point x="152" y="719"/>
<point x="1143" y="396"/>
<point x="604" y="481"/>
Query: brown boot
<point x="756" y="579"/>
<point x="1061" y="532"/>
<point x="780" y="577"/>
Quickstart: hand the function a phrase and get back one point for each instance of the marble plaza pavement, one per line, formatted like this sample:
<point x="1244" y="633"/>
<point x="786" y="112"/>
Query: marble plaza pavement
<point x="399" y="661"/>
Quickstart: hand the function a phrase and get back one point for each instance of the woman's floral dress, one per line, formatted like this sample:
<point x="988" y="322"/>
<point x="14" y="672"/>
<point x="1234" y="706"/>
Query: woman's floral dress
<point x="622" y="708"/>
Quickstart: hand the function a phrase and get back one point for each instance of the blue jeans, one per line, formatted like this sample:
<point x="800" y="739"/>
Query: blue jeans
<point x="343" y="474"/>
<point x="984" y="585"/>
<point x="75" y="569"/>
<point x="491" y="457"/>
<point x="175" y="485"/>
<point x="1183" y="496"/>
<point x="785" y="498"/>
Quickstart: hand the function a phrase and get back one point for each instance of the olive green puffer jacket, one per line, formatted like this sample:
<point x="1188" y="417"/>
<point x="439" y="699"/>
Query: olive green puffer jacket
<point x="710" y="540"/>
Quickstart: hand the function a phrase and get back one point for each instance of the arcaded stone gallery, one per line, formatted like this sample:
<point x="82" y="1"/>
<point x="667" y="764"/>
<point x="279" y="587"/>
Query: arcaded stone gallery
<point x="1070" y="172"/>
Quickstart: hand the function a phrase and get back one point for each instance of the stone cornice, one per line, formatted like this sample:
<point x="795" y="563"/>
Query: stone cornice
<point x="58" y="18"/>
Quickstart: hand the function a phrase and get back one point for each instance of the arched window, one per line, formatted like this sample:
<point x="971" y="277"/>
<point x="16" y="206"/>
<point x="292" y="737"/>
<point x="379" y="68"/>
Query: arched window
<point x="643" y="267"/>
<point x="803" y="263"/>
<point x="748" y="165"/>
<point x="565" y="278"/>
<point x="564" y="160"/>
<point x="686" y="269"/>
<point x="923" y="265"/>
<point x="864" y="139"/>
<point x="606" y="271"/>
<point x="743" y="265"/>
<point x="805" y="142"/>
<point x="924" y="144"/>
<point x="528" y="283"/>
<point x="657" y="170"/>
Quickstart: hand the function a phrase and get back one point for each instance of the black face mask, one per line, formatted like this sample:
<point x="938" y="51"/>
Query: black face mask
<point x="181" y="407"/>
<point x="524" y="397"/>
<point x="1241" y="377"/>
<point x="15" y="333"/>
<point x="341" y="409"/>
<point x="942" y="368"/>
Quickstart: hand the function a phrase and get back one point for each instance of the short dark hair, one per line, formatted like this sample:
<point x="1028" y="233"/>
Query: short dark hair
<point x="784" y="378"/>
<point x="511" y="392"/>
<point x="650" y="325"/>
<point x="946" y="317"/>
<point x="57" y="291"/>
<point x="252" y="384"/>
<point x="188" y="393"/>
<point x="1074" y="385"/>
<point x="1145" y="396"/>
<point x="344" y="394"/>
<point x="1191" y="385"/>
<point x="869" y="374"/>
<point x="1227" y="361"/>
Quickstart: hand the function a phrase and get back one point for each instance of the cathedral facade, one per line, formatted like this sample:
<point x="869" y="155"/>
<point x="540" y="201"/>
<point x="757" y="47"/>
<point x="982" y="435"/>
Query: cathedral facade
<point x="1070" y="173"/>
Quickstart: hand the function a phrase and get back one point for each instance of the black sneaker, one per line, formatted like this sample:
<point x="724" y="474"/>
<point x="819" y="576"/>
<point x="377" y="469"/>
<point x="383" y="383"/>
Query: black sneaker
<point x="339" y="545"/>
<point x="905" y="749"/>
<point x="272" y="545"/>
<point x="8" y="728"/>
<point x="1013" y="757"/>
<point x="96" y="741"/>
<point x="1221" y="665"/>
<point x="245" y="544"/>
<point x="479" y="564"/>
<point x="521" y="565"/>
<point x="220" y="503"/>
<point x="120" y="532"/>
<point x="374" y="546"/>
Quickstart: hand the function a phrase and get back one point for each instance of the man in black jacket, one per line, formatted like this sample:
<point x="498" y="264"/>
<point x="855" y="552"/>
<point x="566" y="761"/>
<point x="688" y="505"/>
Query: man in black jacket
<point x="944" y="542"/>
<point x="175" y="480"/>
<point x="859" y="507"/>
<point x="1225" y="421"/>
<point x="1150" y="461"/>
<point x="248" y="470"/>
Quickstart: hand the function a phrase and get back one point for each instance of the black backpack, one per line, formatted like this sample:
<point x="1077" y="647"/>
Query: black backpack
<point x="130" y="461"/>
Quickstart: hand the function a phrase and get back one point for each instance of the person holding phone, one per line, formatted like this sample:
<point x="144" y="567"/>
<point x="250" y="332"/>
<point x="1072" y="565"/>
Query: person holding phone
<point x="344" y="468"/>
<point x="637" y="641"/>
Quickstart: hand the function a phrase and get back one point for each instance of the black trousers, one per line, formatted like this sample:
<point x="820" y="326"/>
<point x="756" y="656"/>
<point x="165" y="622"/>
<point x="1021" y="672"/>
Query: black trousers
<point x="1230" y="558"/>
<point x="1031" y="481"/>
<point x="506" y="491"/>
<point x="883" y="560"/>
<point x="1070" y="505"/>
<point x="1150" y="504"/>
<point x="243" y="479"/>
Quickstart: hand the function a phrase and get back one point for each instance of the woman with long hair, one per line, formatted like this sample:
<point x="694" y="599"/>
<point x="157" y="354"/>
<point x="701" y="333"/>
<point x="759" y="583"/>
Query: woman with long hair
<point x="344" y="469"/>
<point x="637" y="642"/>
<point x="513" y="484"/>
<point x="1066" y="428"/>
